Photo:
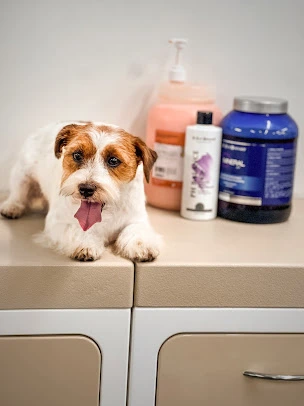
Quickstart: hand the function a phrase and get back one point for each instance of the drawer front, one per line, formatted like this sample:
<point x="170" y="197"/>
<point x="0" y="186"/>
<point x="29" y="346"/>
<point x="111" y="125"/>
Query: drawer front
<point x="207" y="370"/>
<point x="49" y="371"/>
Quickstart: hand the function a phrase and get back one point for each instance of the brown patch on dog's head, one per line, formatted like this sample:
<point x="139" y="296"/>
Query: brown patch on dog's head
<point x="78" y="144"/>
<point x="130" y="151"/>
<point x="124" y="152"/>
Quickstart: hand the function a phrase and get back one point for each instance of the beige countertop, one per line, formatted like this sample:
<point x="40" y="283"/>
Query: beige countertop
<point x="224" y="263"/>
<point x="36" y="277"/>
<point x="217" y="263"/>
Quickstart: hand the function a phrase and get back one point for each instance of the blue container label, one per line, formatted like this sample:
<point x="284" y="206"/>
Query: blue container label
<point x="257" y="173"/>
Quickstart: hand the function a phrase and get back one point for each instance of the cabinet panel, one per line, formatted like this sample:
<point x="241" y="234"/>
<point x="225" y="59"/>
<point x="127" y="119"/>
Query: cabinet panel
<point x="49" y="371"/>
<point x="207" y="369"/>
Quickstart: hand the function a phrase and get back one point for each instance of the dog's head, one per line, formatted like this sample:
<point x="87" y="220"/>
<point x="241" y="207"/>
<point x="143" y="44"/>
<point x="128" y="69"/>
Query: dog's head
<point x="97" y="160"/>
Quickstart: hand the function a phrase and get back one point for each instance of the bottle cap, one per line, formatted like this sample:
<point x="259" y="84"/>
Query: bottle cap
<point x="204" y="117"/>
<point x="262" y="105"/>
<point x="177" y="73"/>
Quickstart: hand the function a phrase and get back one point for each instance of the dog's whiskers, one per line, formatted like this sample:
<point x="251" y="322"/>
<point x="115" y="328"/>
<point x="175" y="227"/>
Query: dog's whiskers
<point x="65" y="193"/>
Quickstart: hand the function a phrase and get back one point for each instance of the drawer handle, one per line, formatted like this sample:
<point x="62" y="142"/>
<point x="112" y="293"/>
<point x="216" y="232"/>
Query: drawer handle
<point x="274" y="377"/>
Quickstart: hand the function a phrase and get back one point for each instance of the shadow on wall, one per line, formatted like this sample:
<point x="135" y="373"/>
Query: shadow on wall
<point x="143" y="80"/>
<point x="138" y="123"/>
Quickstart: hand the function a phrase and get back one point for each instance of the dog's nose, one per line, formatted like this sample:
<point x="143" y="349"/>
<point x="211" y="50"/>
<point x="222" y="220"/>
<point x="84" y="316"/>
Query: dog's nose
<point x="86" y="190"/>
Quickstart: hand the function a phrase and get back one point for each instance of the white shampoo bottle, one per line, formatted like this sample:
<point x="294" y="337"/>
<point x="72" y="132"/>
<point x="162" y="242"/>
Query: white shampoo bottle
<point x="202" y="159"/>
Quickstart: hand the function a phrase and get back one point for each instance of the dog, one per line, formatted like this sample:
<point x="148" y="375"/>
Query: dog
<point x="92" y="177"/>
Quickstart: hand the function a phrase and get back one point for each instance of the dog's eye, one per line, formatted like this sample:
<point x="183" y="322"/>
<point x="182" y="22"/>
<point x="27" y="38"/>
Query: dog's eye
<point x="113" y="161"/>
<point x="77" y="156"/>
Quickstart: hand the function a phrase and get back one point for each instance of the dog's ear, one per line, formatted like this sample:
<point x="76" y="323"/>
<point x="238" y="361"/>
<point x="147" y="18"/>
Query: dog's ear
<point x="63" y="137"/>
<point x="146" y="155"/>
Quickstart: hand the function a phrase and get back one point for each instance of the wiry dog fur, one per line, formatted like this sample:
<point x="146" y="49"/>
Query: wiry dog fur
<point x="47" y="163"/>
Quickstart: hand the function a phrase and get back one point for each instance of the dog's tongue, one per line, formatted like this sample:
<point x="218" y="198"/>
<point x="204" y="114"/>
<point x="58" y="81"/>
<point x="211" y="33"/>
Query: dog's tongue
<point x="88" y="214"/>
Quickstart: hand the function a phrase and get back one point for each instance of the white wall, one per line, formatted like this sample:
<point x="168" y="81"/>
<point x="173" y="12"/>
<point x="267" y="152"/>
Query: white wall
<point x="101" y="59"/>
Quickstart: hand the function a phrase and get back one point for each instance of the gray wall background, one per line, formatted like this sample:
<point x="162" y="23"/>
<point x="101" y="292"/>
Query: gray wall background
<point x="102" y="60"/>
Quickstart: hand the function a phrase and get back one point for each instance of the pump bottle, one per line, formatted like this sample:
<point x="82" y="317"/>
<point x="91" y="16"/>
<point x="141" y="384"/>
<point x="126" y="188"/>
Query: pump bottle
<point x="176" y="108"/>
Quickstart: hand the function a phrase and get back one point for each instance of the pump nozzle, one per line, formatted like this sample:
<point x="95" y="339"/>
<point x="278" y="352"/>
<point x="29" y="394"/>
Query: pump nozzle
<point x="177" y="73"/>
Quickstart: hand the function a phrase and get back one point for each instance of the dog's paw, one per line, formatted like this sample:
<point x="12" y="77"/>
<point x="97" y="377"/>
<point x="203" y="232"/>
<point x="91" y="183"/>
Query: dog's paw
<point x="138" y="250"/>
<point x="143" y="253"/>
<point x="138" y="243"/>
<point x="86" y="254"/>
<point x="11" y="210"/>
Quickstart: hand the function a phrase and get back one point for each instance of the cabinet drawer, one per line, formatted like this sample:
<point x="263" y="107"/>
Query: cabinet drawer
<point x="207" y="369"/>
<point x="49" y="371"/>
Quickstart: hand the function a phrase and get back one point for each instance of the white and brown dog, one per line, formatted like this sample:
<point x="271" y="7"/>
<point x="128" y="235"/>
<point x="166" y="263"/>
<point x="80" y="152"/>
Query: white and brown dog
<point x="91" y="175"/>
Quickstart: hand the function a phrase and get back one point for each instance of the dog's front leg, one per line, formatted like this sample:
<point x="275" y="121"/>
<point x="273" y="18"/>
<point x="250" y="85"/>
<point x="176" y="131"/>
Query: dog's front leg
<point x="138" y="242"/>
<point x="69" y="239"/>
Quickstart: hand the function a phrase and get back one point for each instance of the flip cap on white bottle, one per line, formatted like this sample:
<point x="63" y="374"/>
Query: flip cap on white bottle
<point x="178" y="73"/>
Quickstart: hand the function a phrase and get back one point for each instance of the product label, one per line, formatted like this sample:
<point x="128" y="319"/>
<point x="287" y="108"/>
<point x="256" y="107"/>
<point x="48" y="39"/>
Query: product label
<point x="168" y="169"/>
<point x="202" y="161"/>
<point x="257" y="173"/>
